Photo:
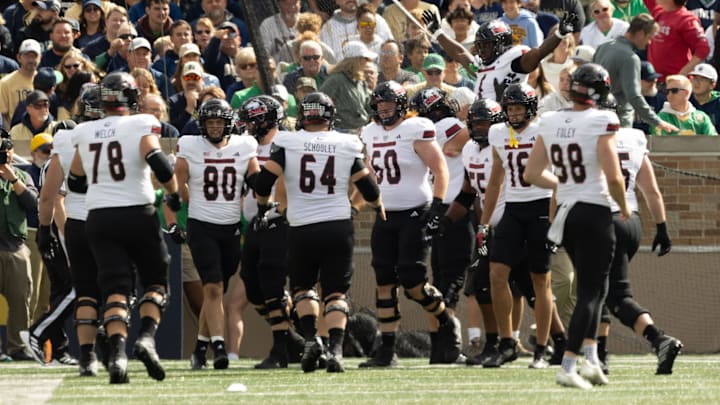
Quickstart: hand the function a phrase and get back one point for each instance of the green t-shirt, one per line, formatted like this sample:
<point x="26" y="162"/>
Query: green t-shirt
<point x="693" y="123"/>
<point x="241" y="96"/>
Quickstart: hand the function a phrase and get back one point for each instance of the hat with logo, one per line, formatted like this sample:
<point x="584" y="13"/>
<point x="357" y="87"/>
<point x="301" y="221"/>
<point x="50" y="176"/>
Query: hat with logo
<point x="647" y="71"/>
<point x="40" y="140"/>
<point x="46" y="78"/>
<point x="583" y="54"/>
<point x="705" y="70"/>
<point x="433" y="61"/>
<point x="192" y="68"/>
<point x="356" y="49"/>
<point x="189" y="49"/>
<point x="30" y="45"/>
<point x="36" y="96"/>
<point x="306" y="82"/>
<point x="139" y="42"/>
<point x="53" y="5"/>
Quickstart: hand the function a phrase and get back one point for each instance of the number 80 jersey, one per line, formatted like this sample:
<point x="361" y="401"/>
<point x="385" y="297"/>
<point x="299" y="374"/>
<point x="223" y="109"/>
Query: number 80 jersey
<point x="216" y="176"/>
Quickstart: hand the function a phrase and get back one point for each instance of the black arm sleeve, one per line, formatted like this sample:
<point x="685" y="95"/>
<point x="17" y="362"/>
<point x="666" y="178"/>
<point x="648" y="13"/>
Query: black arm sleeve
<point x="264" y="182"/>
<point x="368" y="188"/>
<point x="160" y="165"/>
<point x="251" y="180"/>
<point x="358" y="165"/>
<point x="465" y="199"/>
<point x="277" y="155"/>
<point x="77" y="184"/>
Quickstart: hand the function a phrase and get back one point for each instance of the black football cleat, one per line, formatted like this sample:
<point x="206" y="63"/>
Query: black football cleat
<point x="666" y="348"/>
<point x="384" y="357"/>
<point x="144" y="350"/>
<point x="311" y="354"/>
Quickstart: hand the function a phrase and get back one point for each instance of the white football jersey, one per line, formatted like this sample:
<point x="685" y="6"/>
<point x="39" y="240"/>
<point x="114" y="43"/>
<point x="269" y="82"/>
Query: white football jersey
<point x="499" y="71"/>
<point x="216" y="176"/>
<point x="478" y="165"/>
<point x="317" y="174"/>
<point x="514" y="159"/>
<point x="402" y="176"/>
<point x="632" y="148"/>
<point x="570" y="139"/>
<point x="63" y="147"/>
<point x="117" y="173"/>
<point x="446" y="129"/>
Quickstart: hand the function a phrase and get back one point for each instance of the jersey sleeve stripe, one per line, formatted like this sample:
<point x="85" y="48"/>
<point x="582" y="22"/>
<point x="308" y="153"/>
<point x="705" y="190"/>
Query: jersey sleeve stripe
<point x="428" y="134"/>
<point x="452" y="131"/>
<point x="384" y="144"/>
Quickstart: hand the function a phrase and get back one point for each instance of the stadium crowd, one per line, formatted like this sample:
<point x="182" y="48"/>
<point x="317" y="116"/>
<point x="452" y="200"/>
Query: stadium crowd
<point x="471" y="91"/>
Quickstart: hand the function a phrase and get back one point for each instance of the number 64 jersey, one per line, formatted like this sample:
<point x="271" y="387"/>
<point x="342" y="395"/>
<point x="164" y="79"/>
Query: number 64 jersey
<point x="216" y="176"/>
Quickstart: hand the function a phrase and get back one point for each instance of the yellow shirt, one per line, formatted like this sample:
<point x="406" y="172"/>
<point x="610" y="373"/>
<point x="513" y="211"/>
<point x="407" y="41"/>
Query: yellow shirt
<point x="22" y="133"/>
<point x="13" y="89"/>
<point x="75" y="10"/>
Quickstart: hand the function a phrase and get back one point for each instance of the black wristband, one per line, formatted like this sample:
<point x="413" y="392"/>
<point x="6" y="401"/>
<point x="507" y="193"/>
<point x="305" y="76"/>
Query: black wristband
<point x="661" y="228"/>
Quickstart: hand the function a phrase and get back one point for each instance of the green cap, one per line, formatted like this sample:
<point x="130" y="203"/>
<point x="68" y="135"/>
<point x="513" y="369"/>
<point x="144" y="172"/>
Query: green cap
<point x="434" y="61"/>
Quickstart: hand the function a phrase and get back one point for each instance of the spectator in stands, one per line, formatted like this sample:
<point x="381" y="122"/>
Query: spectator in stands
<point x="346" y="86"/>
<point x="680" y="112"/>
<point x="464" y="98"/>
<point x="704" y="96"/>
<point x="204" y="30"/>
<point x="156" y="21"/>
<point x="391" y="57"/>
<point x="454" y="73"/>
<point x="537" y="80"/>
<point x="680" y="44"/>
<point x="366" y="26"/>
<point x="191" y="53"/>
<point x="36" y="119"/>
<point x="69" y="97"/>
<point x="155" y="105"/>
<point x="311" y="65"/>
<point x="546" y="21"/>
<point x="247" y="72"/>
<point x="136" y="10"/>
<point x="183" y="104"/>
<point x="41" y="25"/>
<point x="14" y="16"/>
<point x="525" y="28"/>
<point x="434" y="73"/>
<point x="100" y="50"/>
<point x="306" y="22"/>
<point x="78" y="7"/>
<point x="160" y="47"/>
<point x="460" y="22"/>
<point x="649" y="90"/>
<point x="139" y="53"/>
<point x="62" y="38"/>
<point x="371" y="74"/>
<point x="20" y="196"/>
<point x="559" y="99"/>
<point x="583" y="54"/>
<point x="304" y="86"/>
<point x="15" y="86"/>
<point x="558" y="60"/>
<point x="398" y="22"/>
<point x="46" y="79"/>
<point x="279" y="29"/>
<point x="7" y="63"/>
<point x="417" y="49"/>
<point x="486" y="10"/>
<point x="180" y="34"/>
<point x="145" y="83"/>
<point x="71" y="63"/>
<point x="92" y="23"/>
<point x="219" y="55"/>
<point x="216" y="11"/>
<point x="560" y="7"/>
<point x="626" y="10"/>
<point x="192" y="128"/>
<point x="126" y="34"/>
<point x="342" y="27"/>
<point x="460" y="4"/>
<point x="605" y="27"/>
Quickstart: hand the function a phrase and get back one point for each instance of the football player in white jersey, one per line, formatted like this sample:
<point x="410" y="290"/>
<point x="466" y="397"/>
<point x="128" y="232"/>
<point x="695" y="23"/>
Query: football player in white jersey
<point x="400" y="151"/>
<point x="499" y="63"/>
<point x="317" y="165"/>
<point x="524" y="223"/>
<point x="211" y="170"/>
<point x="581" y="146"/>
<point x="264" y="262"/>
<point x="638" y="171"/>
<point x="452" y="249"/>
<point x="112" y="163"/>
<point x="82" y="262"/>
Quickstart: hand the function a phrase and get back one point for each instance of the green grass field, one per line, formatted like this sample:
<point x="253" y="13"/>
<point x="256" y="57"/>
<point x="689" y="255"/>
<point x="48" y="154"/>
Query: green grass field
<point x="696" y="380"/>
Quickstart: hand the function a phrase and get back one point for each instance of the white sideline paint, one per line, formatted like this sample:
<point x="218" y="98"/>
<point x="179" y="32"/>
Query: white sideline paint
<point x="27" y="389"/>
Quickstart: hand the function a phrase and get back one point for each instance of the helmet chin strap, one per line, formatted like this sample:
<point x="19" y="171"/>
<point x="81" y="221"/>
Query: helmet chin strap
<point x="216" y="140"/>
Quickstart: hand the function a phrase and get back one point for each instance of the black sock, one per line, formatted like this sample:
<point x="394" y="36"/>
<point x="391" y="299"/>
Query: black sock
<point x="388" y="339"/>
<point x="325" y="340"/>
<point x="602" y="344"/>
<point x="218" y="346"/>
<point x="507" y="343"/>
<point x="148" y="327"/>
<point x="558" y="337"/>
<point x="117" y="343"/>
<point x="443" y="317"/>
<point x="336" y="340"/>
<point x="86" y="351"/>
<point x="539" y="351"/>
<point x="201" y="347"/>
<point x="491" y="339"/>
<point x="651" y="333"/>
<point x="308" y="326"/>
<point x="280" y="341"/>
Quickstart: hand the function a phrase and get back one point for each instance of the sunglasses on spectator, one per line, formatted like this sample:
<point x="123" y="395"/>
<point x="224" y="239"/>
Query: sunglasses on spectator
<point x="674" y="90"/>
<point x="46" y="149"/>
<point x="433" y="72"/>
<point x="244" y="66"/>
<point x="40" y="105"/>
<point x="192" y="77"/>
<point x="601" y="10"/>
<point x="308" y="58"/>
<point x="92" y="9"/>
<point x="72" y="66"/>
<point x="203" y="32"/>
<point x="127" y="37"/>
<point x="366" y="24"/>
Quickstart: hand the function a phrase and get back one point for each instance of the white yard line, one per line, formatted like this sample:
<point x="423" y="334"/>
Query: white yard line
<point x="24" y="390"/>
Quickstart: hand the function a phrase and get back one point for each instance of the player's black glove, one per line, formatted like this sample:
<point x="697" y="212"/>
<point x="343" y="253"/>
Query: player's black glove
<point x="261" y="221"/>
<point x="499" y="88"/>
<point x="431" y="20"/>
<point x="173" y="201"/>
<point x="568" y="24"/>
<point x="432" y="217"/>
<point x="663" y="239"/>
<point x="47" y="242"/>
<point x="445" y="222"/>
<point x="551" y="247"/>
<point x="176" y="234"/>
<point x="482" y="239"/>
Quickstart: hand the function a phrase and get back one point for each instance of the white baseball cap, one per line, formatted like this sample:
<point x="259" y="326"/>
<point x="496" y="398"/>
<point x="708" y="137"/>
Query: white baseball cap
<point x="356" y="49"/>
<point x="193" y="68"/>
<point x="139" y="42"/>
<point x="189" y="49"/>
<point x="705" y="70"/>
<point x="583" y="53"/>
<point x="30" y="45"/>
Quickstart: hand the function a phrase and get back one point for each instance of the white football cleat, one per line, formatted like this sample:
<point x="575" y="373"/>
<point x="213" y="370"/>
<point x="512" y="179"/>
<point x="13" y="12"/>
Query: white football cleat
<point x="593" y="373"/>
<point x="572" y="380"/>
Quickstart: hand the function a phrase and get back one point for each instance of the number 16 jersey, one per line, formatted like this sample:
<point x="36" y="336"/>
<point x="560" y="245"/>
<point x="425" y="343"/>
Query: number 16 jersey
<point x="402" y="176"/>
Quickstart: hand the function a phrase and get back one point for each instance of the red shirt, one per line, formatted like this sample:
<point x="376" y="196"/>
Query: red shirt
<point x="681" y="37"/>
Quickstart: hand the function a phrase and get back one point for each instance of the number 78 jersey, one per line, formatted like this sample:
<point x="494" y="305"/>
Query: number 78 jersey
<point x="514" y="158"/>
<point x="317" y="174"/>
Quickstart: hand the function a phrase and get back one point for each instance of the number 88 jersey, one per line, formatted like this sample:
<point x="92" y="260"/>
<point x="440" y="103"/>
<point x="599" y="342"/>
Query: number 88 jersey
<point x="402" y="176"/>
<point x="216" y="176"/>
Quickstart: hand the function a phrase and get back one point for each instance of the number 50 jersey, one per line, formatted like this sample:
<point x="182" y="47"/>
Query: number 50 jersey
<point x="117" y="174"/>
<point x="317" y="174"/>
<point x="216" y="176"/>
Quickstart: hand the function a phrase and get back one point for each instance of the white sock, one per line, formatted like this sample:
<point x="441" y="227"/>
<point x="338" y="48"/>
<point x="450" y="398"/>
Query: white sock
<point x="568" y="364"/>
<point x="203" y="338"/>
<point x="473" y="333"/>
<point x="216" y="338"/>
<point x="516" y="335"/>
<point x="233" y="356"/>
<point x="591" y="354"/>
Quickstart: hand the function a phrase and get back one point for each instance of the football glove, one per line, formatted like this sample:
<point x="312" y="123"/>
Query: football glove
<point x="173" y="201"/>
<point x="551" y="247"/>
<point x="662" y="239"/>
<point x="176" y="234"/>
<point x="432" y="217"/>
<point x="47" y="242"/>
<point x="432" y="23"/>
<point x="568" y="24"/>
<point x="482" y="239"/>
<point x="261" y="221"/>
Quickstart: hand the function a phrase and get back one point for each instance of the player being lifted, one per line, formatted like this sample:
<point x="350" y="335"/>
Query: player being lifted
<point x="112" y="163"/>
<point x="211" y="170"/>
<point x="317" y="165"/>
<point x="400" y="150"/>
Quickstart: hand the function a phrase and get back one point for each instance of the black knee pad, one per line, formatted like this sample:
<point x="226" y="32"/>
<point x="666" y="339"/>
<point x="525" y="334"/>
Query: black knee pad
<point x="411" y="274"/>
<point x="305" y="295"/>
<point x="277" y="305"/>
<point x="340" y="305"/>
<point x="112" y="318"/>
<point x="431" y="298"/>
<point x="85" y="321"/>
<point x="161" y="302"/>
<point x="392" y="302"/>
<point x="627" y="310"/>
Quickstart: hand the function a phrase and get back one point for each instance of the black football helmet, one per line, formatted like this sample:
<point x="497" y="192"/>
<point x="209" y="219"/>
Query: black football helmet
<point x="63" y="125"/>
<point x="523" y="94"/>
<point x="434" y="104"/>
<point x="589" y="84"/>
<point x="88" y="105"/>
<point x="315" y="108"/>
<point x="390" y="91"/>
<point x="216" y="108"/>
<point x="119" y="92"/>
<point x="608" y="103"/>
<point x="263" y="112"/>
<point x="492" y="39"/>
<point x="482" y="114"/>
